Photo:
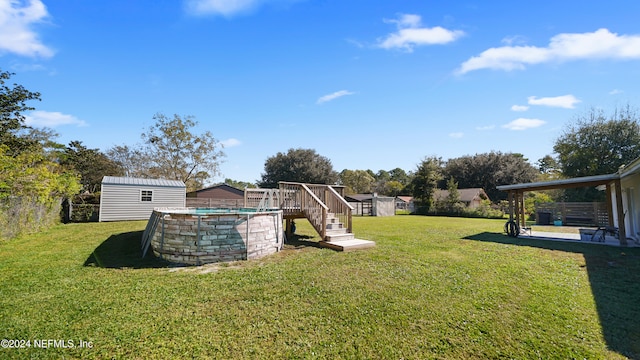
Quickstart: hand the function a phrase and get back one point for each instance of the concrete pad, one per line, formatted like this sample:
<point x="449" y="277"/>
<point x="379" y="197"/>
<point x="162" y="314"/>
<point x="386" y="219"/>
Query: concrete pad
<point x="348" y="245"/>
<point x="572" y="237"/>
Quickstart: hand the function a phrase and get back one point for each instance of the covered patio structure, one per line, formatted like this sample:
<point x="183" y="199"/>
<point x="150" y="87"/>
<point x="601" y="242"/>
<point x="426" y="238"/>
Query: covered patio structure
<point x="614" y="201"/>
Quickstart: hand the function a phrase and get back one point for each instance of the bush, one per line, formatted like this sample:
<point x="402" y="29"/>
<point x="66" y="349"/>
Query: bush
<point x="485" y="210"/>
<point x="31" y="191"/>
<point x="24" y="215"/>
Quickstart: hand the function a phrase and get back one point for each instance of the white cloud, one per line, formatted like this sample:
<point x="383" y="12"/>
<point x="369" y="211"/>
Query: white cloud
<point x="601" y="44"/>
<point x="511" y="40"/>
<point x="519" y="108"/>
<point x="615" y="92"/>
<point x="523" y="124"/>
<point x="231" y="142"/>
<point x="52" y="119"/>
<point x="565" y="101"/>
<point x="220" y="7"/>
<point x="410" y="34"/>
<point x="16" y="35"/>
<point x="485" y="128"/>
<point x="334" y="96"/>
<point x="456" y="135"/>
<point x="227" y="8"/>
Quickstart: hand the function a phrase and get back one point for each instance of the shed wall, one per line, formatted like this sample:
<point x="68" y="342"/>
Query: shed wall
<point x="383" y="206"/>
<point x="120" y="202"/>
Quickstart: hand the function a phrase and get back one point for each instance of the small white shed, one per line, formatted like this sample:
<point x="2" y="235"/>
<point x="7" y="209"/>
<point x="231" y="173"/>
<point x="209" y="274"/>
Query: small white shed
<point x="127" y="198"/>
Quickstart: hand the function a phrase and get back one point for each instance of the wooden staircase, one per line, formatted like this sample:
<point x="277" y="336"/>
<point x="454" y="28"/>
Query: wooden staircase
<point x="337" y="238"/>
<point x="324" y="207"/>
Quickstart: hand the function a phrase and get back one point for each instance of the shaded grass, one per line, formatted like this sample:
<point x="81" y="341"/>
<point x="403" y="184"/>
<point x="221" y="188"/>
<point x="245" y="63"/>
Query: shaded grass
<point x="433" y="287"/>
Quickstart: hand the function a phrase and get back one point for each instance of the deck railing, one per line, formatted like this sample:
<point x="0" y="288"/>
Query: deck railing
<point x="312" y="201"/>
<point x="261" y="198"/>
<point x="327" y="195"/>
<point x="339" y="207"/>
<point x="314" y="210"/>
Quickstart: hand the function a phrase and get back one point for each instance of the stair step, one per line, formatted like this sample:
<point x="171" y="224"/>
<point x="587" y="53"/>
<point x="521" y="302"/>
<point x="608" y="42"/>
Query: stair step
<point x="334" y="226"/>
<point x="338" y="237"/>
<point x="348" y="245"/>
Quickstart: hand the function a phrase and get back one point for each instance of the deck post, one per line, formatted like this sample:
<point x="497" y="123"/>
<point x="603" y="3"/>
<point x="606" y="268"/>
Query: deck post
<point x="324" y="223"/>
<point x="288" y="228"/>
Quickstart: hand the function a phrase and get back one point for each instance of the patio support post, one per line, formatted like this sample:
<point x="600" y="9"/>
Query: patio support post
<point x="517" y="209"/>
<point x="523" y="223"/>
<point x="510" y="205"/>
<point x="622" y="231"/>
<point x="609" y="204"/>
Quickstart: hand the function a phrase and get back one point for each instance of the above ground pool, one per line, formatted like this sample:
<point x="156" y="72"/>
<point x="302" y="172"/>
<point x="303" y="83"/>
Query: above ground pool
<point x="199" y="236"/>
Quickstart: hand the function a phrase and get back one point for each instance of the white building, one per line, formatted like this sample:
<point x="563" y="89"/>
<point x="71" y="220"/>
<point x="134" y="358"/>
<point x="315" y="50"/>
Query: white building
<point x="126" y="198"/>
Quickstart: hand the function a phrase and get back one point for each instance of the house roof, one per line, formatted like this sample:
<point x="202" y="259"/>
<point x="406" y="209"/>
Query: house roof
<point x="406" y="199"/>
<point x="223" y="186"/>
<point x="117" y="180"/>
<point x="466" y="195"/>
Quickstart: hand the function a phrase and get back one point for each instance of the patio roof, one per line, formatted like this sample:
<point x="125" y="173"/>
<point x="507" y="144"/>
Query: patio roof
<point x="563" y="183"/>
<point x="516" y="196"/>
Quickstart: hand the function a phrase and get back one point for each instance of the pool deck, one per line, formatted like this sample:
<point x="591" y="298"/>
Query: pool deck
<point x="575" y="237"/>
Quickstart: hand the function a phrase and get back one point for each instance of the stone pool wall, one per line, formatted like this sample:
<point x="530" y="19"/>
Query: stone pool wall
<point x="199" y="239"/>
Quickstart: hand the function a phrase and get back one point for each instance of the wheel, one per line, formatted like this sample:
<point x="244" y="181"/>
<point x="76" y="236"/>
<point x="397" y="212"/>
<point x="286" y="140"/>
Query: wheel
<point x="511" y="228"/>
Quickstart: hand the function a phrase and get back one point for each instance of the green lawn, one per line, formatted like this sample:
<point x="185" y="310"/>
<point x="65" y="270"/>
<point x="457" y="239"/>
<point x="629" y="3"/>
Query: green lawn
<point x="433" y="287"/>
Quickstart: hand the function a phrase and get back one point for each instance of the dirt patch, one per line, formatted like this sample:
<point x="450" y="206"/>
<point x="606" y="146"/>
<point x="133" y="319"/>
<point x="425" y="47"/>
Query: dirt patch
<point x="208" y="268"/>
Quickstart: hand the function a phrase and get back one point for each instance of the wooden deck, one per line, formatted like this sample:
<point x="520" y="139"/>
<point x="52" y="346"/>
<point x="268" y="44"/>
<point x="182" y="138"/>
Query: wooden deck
<point x="322" y="205"/>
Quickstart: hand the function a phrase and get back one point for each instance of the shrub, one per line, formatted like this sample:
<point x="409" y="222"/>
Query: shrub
<point x="31" y="190"/>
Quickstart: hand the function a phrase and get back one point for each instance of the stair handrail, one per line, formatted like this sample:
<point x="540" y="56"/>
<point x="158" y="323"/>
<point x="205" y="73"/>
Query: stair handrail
<point x="310" y="209"/>
<point x="349" y="209"/>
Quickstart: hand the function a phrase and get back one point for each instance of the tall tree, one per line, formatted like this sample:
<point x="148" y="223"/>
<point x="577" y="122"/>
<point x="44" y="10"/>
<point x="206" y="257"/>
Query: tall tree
<point x="356" y="181"/>
<point x="239" y="184"/>
<point x="32" y="182"/>
<point x="175" y="152"/>
<point x="548" y="165"/>
<point x="425" y="182"/>
<point x="400" y="176"/>
<point x="453" y="195"/>
<point x="597" y="144"/>
<point x="298" y="165"/>
<point x="13" y="102"/>
<point x="451" y="204"/>
<point x="132" y="160"/>
<point x="489" y="170"/>
<point x="91" y="164"/>
<point x="382" y="178"/>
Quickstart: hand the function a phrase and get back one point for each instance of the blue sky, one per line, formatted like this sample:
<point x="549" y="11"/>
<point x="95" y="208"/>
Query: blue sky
<point x="369" y="84"/>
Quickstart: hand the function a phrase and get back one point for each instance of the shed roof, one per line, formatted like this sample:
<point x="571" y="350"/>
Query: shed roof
<point x="359" y="197"/>
<point x="117" y="180"/>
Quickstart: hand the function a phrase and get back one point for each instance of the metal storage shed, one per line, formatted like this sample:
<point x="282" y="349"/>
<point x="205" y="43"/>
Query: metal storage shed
<point x="127" y="198"/>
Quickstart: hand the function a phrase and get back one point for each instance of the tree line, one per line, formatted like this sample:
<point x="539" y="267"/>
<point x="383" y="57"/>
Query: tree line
<point x="37" y="171"/>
